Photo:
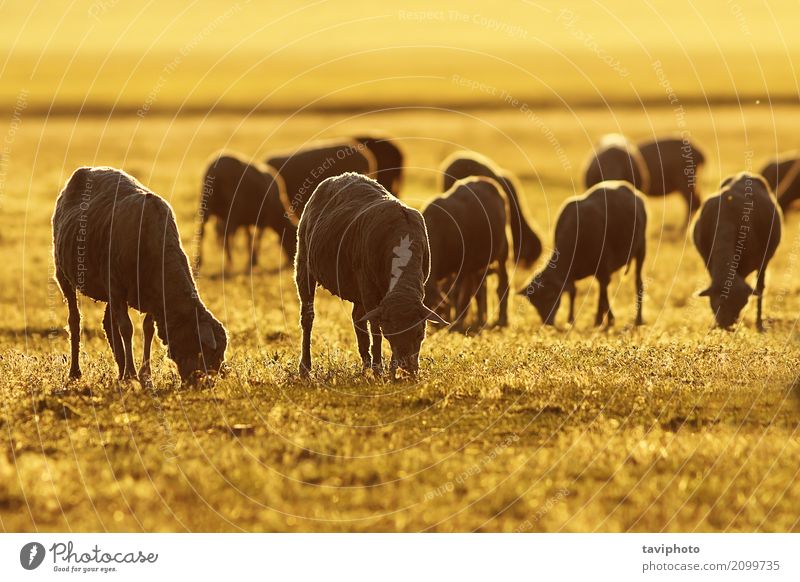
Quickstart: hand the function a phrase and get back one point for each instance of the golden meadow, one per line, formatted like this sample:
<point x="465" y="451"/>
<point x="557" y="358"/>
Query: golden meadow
<point x="675" y="426"/>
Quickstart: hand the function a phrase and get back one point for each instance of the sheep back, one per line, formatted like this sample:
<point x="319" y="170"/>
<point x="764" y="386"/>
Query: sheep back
<point x="740" y="226"/>
<point x="349" y="233"/>
<point x="464" y="164"/>
<point x="615" y="158"/>
<point x="467" y="228"/>
<point x="388" y="159"/>
<point x="305" y="169"/>
<point x="783" y="178"/>
<point x="605" y="227"/>
<point x="672" y="164"/>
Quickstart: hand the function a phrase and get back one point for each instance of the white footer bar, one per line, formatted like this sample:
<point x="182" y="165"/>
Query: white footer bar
<point x="400" y="557"/>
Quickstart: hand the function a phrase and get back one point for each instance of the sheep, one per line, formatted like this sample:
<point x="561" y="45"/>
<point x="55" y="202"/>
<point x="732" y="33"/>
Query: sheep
<point x="365" y="246"/>
<point x="389" y="160"/>
<point x="673" y="165"/>
<point x="467" y="237"/>
<point x="464" y="164"/>
<point x="116" y="241"/>
<point x="596" y="235"/>
<point x="783" y="177"/>
<point x="303" y="170"/>
<point x="615" y="158"/>
<point x="737" y="233"/>
<point x="244" y="195"/>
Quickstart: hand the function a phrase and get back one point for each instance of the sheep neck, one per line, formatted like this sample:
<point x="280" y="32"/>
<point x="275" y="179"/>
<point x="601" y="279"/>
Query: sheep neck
<point x="403" y="269"/>
<point x="180" y="300"/>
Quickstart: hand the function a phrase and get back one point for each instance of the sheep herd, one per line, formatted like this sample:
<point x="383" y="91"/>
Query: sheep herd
<point x="336" y="211"/>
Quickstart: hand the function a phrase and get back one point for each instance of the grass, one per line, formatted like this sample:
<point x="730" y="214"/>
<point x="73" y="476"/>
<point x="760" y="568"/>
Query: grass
<point x="674" y="426"/>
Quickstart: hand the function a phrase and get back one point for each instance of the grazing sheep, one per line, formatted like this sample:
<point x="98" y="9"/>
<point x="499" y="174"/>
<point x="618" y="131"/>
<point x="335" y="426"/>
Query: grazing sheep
<point x="460" y="165"/>
<point x="615" y="158"/>
<point x="596" y="235"/>
<point x="367" y="247"/>
<point x="673" y="165"/>
<point x="241" y="195"/>
<point x="783" y="177"/>
<point x="467" y="236"/>
<point x="303" y="170"/>
<point x="737" y="233"/>
<point x="116" y="241"/>
<point x="389" y="160"/>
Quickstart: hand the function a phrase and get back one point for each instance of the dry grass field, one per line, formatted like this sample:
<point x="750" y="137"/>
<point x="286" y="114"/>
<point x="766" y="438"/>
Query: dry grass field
<point x="674" y="426"/>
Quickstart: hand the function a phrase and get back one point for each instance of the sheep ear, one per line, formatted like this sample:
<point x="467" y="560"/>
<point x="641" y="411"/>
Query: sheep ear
<point x="705" y="292"/>
<point x="372" y="314"/>
<point x="750" y="290"/>
<point x="431" y="315"/>
<point x="207" y="336"/>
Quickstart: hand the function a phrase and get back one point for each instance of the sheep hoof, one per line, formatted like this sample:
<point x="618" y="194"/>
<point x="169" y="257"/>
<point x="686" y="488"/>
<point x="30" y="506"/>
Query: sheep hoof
<point x="144" y="379"/>
<point x="304" y="371"/>
<point x="74" y="374"/>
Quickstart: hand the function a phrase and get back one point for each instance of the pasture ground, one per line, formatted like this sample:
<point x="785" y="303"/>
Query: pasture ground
<point x="674" y="426"/>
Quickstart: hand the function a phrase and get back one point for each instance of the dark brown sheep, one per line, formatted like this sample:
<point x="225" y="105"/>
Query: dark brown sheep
<point x="389" y="160"/>
<point x="464" y="164"/>
<point x="673" y="165"/>
<point x="303" y="170"/>
<point x="783" y="177"/>
<point x="596" y="235"/>
<point x="467" y="235"/>
<point x="116" y="241"/>
<point x="615" y="158"/>
<point x="737" y="233"/>
<point x="365" y="246"/>
<point x="241" y="195"/>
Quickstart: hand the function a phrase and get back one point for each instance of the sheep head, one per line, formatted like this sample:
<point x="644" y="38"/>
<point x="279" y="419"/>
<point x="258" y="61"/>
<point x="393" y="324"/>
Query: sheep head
<point x="197" y="345"/>
<point x="545" y="296"/>
<point x="727" y="305"/>
<point x="402" y="323"/>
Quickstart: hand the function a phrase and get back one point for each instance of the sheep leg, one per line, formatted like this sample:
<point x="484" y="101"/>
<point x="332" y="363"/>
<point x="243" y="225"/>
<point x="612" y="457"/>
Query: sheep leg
<point x="571" y="291"/>
<point x="639" y="289"/>
<point x="759" y="298"/>
<point x="604" y="307"/>
<point x="224" y="241"/>
<point x="502" y="294"/>
<point x="74" y="324"/>
<point x="463" y="296"/>
<point x="362" y="336"/>
<point x="255" y="240"/>
<point x="306" y="287"/>
<point x="148" y="326"/>
<point x="114" y="340"/>
<point x="481" y="300"/>
<point x="377" y="340"/>
<point x="122" y="320"/>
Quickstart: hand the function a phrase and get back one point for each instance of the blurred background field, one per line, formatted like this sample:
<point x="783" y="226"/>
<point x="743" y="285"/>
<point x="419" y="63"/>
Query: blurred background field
<point x="110" y="55"/>
<point x="674" y="426"/>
